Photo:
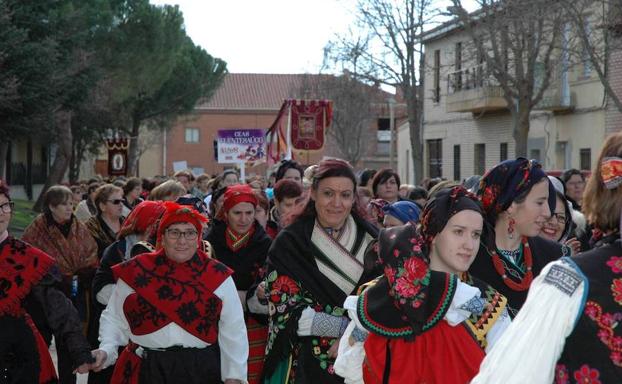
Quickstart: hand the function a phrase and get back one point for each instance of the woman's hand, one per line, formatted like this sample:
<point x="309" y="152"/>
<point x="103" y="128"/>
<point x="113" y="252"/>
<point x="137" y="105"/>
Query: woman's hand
<point x="574" y="244"/>
<point x="261" y="291"/>
<point x="332" y="352"/>
<point x="100" y="358"/>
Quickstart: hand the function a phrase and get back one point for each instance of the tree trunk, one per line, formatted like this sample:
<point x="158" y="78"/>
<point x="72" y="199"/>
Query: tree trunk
<point x="521" y="130"/>
<point x="133" y="154"/>
<point x="414" y="126"/>
<point x="63" y="154"/>
<point x="4" y="150"/>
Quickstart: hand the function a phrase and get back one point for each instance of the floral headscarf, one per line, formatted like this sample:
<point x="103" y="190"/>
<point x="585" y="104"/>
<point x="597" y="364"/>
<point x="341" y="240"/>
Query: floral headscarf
<point x="409" y="298"/>
<point x="501" y="185"/>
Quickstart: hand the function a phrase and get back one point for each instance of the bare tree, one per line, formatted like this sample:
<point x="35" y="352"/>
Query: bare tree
<point x="353" y="110"/>
<point x="521" y="44"/>
<point x="387" y="49"/>
<point x="598" y="28"/>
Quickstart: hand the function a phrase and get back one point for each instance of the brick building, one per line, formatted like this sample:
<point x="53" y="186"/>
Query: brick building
<point x="250" y="101"/>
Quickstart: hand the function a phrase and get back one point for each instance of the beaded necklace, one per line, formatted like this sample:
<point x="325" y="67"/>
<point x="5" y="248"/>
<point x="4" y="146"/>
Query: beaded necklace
<point x="525" y="282"/>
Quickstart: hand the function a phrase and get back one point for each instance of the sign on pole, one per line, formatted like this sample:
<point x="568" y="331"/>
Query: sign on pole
<point x="241" y="146"/>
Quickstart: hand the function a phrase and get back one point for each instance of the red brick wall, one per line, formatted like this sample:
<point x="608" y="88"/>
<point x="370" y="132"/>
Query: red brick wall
<point x="201" y="154"/>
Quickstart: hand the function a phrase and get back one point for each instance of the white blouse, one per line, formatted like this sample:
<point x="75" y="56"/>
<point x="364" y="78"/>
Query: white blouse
<point x="114" y="331"/>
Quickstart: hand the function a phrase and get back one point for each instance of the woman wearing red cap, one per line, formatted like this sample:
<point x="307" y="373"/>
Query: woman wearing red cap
<point x="178" y="309"/>
<point x="325" y="255"/>
<point x="138" y="227"/>
<point x="239" y="242"/>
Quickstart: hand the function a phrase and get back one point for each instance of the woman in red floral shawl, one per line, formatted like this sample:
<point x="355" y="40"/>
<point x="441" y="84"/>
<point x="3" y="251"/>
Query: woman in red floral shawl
<point x="27" y="284"/>
<point x="178" y="309"/>
<point x="419" y="323"/>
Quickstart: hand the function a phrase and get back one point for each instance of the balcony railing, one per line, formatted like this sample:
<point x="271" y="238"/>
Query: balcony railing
<point x="474" y="90"/>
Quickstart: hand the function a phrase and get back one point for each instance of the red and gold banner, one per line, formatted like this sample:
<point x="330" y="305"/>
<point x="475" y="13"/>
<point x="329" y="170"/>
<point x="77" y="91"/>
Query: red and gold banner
<point x="310" y="118"/>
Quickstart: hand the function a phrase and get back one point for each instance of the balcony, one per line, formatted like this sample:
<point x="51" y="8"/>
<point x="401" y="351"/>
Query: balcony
<point x="557" y="97"/>
<point x="473" y="90"/>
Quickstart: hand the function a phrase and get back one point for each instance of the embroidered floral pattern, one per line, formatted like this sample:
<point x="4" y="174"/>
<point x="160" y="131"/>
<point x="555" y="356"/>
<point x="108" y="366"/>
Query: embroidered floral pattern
<point x="587" y="375"/>
<point x="615" y="263"/>
<point x="616" y="290"/>
<point x="607" y="323"/>
<point x="561" y="374"/>
<point x="286" y="297"/>
<point x="410" y="279"/>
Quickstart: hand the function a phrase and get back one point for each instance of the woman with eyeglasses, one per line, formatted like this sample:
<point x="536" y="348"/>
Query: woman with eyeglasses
<point x="239" y="242"/>
<point x="29" y="285"/>
<point x="518" y="199"/>
<point x="58" y="233"/>
<point x="559" y="227"/>
<point x="178" y="311"/>
<point x="107" y="223"/>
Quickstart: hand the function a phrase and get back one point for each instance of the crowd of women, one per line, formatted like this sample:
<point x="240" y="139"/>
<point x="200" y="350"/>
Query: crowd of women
<point x="320" y="276"/>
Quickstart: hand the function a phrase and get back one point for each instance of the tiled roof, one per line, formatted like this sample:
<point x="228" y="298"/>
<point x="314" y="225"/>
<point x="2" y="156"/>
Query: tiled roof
<point x="254" y="91"/>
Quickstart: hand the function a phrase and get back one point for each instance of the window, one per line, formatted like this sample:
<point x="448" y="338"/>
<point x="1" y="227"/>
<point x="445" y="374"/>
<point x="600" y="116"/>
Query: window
<point x="437" y="75"/>
<point x="435" y="158"/>
<point x="534" y="154"/>
<point x="479" y="159"/>
<point x="192" y="135"/>
<point x="384" y="130"/>
<point x="458" y="64"/>
<point x="457" y="162"/>
<point x="585" y="155"/>
<point x="503" y="151"/>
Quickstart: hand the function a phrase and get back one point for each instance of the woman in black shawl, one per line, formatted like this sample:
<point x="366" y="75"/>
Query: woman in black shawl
<point x="313" y="265"/>
<point x="518" y="199"/>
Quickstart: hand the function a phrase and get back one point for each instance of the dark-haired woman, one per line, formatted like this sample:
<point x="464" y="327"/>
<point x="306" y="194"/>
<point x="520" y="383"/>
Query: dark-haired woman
<point x="418" y="323"/>
<point x="59" y="234"/>
<point x="239" y="242"/>
<point x="568" y="330"/>
<point x="313" y="265"/>
<point x="385" y="185"/>
<point x="132" y="190"/>
<point x="290" y="170"/>
<point x="518" y="199"/>
<point x="28" y="285"/>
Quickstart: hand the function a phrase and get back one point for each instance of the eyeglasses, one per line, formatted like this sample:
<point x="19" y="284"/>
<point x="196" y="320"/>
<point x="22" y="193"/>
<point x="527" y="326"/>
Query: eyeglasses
<point x="7" y="207"/>
<point x="115" y="201"/>
<point x="559" y="217"/>
<point x="175" y="234"/>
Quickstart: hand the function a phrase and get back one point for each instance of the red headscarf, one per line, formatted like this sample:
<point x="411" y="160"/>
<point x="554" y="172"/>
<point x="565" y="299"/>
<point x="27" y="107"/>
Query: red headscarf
<point x="175" y="213"/>
<point x="237" y="194"/>
<point x="143" y="216"/>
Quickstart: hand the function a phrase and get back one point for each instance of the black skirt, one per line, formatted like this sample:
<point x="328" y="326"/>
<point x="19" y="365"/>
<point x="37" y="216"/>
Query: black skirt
<point x="181" y="365"/>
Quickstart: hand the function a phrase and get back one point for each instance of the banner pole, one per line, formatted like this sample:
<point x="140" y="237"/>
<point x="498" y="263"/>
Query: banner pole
<point x="243" y="172"/>
<point x="288" y="155"/>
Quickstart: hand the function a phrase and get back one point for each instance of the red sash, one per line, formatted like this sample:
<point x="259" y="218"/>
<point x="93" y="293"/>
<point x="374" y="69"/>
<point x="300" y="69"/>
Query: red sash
<point x="167" y="291"/>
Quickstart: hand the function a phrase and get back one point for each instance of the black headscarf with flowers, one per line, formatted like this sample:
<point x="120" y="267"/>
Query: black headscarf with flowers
<point x="501" y="185"/>
<point x="445" y="204"/>
<point x="409" y="298"/>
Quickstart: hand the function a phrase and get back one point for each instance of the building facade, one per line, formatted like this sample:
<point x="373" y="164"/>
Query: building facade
<point x="468" y="128"/>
